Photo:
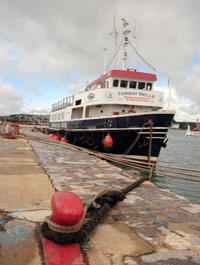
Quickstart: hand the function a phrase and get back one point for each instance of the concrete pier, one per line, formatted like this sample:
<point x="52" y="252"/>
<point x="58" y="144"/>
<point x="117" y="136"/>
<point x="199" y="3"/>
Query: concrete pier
<point x="151" y="226"/>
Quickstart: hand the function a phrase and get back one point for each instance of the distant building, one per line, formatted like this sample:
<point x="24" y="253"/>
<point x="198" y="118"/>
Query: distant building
<point x="175" y="126"/>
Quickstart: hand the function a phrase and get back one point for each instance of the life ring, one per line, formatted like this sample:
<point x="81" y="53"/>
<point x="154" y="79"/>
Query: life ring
<point x="90" y="141"/>
<point x="131" y="111"/>
<point x="108" y="123"/>
<point x="82" y="140"/>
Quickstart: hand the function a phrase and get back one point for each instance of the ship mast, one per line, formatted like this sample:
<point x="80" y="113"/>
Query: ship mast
<point x="115" y="33"/>
<point x="125" y="42"/>
<point x="170" y="92"/>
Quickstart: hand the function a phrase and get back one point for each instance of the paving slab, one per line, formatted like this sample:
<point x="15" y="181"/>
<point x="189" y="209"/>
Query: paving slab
<point x="25" y="194"/>
<point x="19" y="244"/>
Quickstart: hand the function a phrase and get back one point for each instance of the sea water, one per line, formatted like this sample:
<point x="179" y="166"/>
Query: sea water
<point x="181" y="151"/>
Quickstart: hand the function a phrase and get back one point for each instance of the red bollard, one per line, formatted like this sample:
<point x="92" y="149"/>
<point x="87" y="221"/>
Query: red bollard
<point x="68" y="210"/>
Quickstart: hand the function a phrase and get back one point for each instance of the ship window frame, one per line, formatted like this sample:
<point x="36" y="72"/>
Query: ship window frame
<point x="78" y="102"/>
<point x="125" y="83"/>
<point x="132" y="81"/>
<point x="115" y="82"/>
<point x="139" y="84"/>
<point x="149" y="86"/>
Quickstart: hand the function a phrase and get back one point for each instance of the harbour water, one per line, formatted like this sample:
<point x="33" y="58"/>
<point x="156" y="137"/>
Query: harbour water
<point x="182" y="152"/>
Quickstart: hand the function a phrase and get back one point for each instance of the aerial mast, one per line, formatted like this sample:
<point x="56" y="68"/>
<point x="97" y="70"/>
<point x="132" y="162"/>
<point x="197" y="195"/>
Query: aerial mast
<point x="115" y="33"/>
<point x="125" y="43"/>
<point x="169" y="87"/>
<point x="105" y="60"/>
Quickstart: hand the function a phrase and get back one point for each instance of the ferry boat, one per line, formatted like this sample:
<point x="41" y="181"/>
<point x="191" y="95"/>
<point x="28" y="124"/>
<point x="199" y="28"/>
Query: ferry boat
<point x="119" y="110"/>
<point x="195" y="132"/>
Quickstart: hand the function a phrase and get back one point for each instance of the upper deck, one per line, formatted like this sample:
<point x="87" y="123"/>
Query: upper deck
<point x="130" y="88"/>
<point x="122" y="75"/>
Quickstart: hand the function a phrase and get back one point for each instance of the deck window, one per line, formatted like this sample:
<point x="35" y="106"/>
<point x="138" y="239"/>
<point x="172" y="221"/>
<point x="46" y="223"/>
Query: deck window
<point x="123" y="83"/>
<point x="132" y="84"/>
<point x="78" y="102"/>
<point x="141" y="85"/>
<point x="149" y="86"/>
<point x="115" y="82"/>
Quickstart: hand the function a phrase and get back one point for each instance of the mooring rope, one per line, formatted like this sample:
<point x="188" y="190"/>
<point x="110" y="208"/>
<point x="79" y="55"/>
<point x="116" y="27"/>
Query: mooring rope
<point x="141" y="165"/>
<point x="95" y="215"/>
<point x="135" y="140"/>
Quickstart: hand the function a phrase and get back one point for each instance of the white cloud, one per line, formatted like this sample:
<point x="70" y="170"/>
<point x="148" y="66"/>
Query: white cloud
<point x="10" y="99"/>
<point x="186" y="110"/>
<point x="51" y="40"/>
<point x="11" y="102"/>
<point x="35" y="109"/>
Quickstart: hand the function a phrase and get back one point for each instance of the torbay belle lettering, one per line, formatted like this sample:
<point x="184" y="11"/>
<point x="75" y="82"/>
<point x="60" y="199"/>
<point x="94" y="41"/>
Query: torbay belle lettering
<point x="137" y="96"/>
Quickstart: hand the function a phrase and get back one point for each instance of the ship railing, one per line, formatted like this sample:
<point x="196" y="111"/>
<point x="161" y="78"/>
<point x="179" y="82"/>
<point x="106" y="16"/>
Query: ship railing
<point x="65" y="105"/>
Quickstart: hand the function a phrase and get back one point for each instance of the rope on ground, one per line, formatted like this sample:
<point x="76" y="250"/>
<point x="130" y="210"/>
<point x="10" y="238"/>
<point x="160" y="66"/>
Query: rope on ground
<point x="94" y="215"/>
<point x="74" y="228"/>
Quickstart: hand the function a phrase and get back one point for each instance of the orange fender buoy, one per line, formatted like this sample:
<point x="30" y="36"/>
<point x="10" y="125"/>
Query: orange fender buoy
<point x="108" y="143"/>
<point x="64" y="140"/>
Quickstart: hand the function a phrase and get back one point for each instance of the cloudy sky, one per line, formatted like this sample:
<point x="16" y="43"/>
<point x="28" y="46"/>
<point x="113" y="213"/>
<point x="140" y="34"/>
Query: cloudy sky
<point x="50" y="49"/>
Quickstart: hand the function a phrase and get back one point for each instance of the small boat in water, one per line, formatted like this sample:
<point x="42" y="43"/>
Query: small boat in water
<point x="119" y="112"/>
<point x="195" y="132"/>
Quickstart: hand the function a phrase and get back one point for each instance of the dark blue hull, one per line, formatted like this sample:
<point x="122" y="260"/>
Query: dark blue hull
<point x="138" y="136"/>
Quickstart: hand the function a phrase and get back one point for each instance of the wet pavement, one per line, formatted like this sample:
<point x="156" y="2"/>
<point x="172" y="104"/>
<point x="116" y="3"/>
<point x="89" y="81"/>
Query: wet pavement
<point x="151" y="226"/>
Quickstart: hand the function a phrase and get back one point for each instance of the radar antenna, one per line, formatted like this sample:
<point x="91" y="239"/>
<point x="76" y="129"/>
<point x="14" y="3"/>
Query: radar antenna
<point x="125" y="42"/>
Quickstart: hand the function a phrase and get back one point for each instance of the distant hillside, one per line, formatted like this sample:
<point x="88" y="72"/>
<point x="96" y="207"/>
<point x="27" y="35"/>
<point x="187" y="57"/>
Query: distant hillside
<point x="26" y="118"/>
<point x="183" y="125"/>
